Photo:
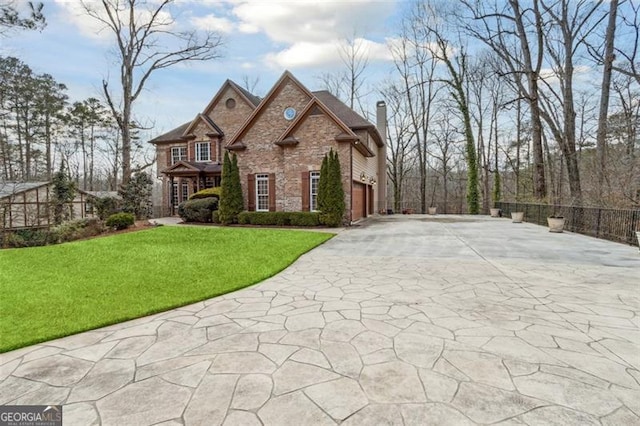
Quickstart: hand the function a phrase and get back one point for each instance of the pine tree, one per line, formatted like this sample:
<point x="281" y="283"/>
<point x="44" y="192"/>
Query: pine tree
<point x="136" y="195"/>
<point x="64" y="191"/>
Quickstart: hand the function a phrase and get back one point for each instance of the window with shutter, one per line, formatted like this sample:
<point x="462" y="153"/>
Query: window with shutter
<point x="314" y="179"/>
<point x="262" y="193"/>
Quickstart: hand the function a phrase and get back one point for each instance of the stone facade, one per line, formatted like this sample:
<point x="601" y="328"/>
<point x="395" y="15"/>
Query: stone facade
<point x="256" y="133"/>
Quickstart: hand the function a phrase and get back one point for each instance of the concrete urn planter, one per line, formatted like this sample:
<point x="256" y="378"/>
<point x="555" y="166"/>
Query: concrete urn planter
<point x="517" y="217"/>
<point x="432" y="210"/>
<point x="556" y="224"/>
<point x="494" y="212"/>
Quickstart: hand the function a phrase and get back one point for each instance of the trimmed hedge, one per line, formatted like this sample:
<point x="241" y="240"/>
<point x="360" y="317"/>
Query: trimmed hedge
<point x="215" y="217"/>
<point x="280" y="218"/>
<point x="198" y="210"/>
<point x="206" y="193"/>
<point x="120" y="220"/>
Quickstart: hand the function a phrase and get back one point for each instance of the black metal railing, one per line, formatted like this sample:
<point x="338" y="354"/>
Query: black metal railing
<point x="608" y="224"/>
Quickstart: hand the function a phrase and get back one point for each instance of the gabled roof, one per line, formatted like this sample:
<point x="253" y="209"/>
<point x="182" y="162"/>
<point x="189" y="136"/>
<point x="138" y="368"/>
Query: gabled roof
<point x="255" y="100"/>
<point x="193" y="166"/>
<point x="286" y="76"/>
<point x="171" y="135"/>
<point x="10" y="188"/>
<point x="251" y="99"/>
<point x="100" y="194"/>
<point x="215" y="130"/>
<point x="348" y="116"/>
<point x="315" y="103"/>
<point x="341" y="110"/>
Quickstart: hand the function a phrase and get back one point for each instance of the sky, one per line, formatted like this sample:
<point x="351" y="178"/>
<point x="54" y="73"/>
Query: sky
<point x="261" y="39"/>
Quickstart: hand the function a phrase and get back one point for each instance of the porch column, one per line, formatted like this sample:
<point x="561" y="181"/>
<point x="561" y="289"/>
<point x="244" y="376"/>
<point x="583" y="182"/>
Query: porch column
<point x="173" y="202"/>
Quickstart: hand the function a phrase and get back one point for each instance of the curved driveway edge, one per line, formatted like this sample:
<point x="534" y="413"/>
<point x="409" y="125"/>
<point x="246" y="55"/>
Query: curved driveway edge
<point x="403" y="320"/>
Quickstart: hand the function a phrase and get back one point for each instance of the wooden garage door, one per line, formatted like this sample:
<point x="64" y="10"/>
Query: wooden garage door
<point x="359" y="201"/>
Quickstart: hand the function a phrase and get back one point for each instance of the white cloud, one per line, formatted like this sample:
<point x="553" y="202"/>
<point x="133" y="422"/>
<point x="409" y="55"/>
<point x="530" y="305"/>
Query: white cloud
<point x="74" y="12"/>
<point x="213" y="23"/>
<point x="311" y="20"/>
<point x="306" y="54"/>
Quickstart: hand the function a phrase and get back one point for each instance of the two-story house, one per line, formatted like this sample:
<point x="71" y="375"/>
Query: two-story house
<point x="280" y="142"/>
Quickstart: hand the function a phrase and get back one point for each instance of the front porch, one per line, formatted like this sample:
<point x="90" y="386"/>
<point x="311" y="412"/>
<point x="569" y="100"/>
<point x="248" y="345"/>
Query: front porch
<point x="187" y="177"/>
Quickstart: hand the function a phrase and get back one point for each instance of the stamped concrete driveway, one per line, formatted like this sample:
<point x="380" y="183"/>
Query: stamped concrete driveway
<point x="405" y="320"/>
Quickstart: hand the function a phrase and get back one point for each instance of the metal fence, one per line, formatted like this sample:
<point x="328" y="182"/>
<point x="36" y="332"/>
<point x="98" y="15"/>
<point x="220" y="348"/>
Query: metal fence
<point x="609" y="224"/>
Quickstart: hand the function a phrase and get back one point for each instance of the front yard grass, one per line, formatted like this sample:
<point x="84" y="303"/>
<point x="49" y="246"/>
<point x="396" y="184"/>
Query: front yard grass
<point x="54" y="291"/>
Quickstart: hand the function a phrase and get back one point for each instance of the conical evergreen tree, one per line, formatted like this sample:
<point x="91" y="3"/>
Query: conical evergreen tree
<point x="334" y="207"/>
<point x="322" y="184"/>
<point x="225" y="208"/>
<point x="237" y="202"/>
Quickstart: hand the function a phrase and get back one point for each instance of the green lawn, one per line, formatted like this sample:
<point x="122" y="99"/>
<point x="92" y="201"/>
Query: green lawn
<point x="54" y="291"/>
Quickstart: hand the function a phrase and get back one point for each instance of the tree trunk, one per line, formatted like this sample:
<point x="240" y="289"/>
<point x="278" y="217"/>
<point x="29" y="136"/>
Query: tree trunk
<point x="539" y="184"/>
<point x="601" y="135"/>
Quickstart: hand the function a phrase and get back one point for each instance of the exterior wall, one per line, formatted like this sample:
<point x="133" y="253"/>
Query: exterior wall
<point x="32" y="209"/>
<point x="316" y="136"/>
<point x="26" y="209"/>
<point x="368" y="166"/>
<point x="262" y="155"/>
<point x="230" y="120"/>
<point x="162" y="158"/>
<point x="200" y="132"/>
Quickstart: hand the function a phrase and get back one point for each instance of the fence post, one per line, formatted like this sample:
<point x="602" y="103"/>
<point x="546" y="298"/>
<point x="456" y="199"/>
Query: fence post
<point x="598" y="223"/>
<point x="634" y="221"/>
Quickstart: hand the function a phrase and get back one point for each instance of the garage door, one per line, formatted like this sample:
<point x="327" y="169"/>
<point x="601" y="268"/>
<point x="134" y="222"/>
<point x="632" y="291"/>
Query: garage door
<point x="359" y="201"/>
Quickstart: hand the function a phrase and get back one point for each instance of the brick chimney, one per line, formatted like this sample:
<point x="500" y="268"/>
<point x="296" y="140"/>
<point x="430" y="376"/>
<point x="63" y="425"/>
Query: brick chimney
<point x="381" y="124"/>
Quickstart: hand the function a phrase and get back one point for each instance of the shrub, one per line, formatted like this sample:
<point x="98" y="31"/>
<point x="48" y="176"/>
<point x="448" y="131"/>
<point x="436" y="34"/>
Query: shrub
<point x="106" y="206"/>
<point x="215" y="217"/>
<point x="244" y="218"/>
<point x="77" y="229"/>
<point x="279" y="218"/>
<point x="206" y="193"/>
<point x="120" y="220"/>
<point x="29" y="238"/>
<point x="304" y="218"/>
<point x="198" y="210"/>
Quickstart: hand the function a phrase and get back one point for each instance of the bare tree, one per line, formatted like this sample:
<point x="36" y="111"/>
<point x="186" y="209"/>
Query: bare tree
<point x="515" y="34"/>
<point x="456" y="63"/>
<point x="627" y="52"/>
<point x="444" y="149"/>
<point x="250" y="83"/>
<point x="146" y="41"/>
<point x="11" y="19"/>
<point x="349" y="82"/>
<point x="569" y="23"/>
<point x="415" y="62"/>
<point x="399" y="141"/>
<point x="601" y="135"/>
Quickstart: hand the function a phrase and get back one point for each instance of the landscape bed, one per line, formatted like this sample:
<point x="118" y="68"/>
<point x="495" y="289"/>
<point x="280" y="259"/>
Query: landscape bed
<point x="54" y="291"/>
